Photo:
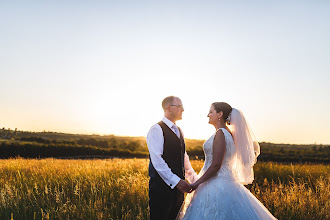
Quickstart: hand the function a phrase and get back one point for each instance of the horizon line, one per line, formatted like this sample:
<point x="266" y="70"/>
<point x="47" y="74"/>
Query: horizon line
<point x="99" y="134"/>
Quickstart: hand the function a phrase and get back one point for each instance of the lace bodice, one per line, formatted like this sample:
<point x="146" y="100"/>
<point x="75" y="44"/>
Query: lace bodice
<point x="227" y="168"/>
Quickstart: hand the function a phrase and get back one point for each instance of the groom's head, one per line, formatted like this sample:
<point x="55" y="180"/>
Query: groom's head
<point x="173" y="108"/>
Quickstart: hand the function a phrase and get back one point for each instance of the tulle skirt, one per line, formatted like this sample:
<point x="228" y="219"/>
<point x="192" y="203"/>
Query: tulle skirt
<point x="223" y="198"/>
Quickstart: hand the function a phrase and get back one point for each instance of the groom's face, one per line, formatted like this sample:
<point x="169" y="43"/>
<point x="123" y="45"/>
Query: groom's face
<point x="176" y="109"/>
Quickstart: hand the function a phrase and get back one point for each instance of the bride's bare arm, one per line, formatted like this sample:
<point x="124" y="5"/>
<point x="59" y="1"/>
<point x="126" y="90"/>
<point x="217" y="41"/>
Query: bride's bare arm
<point x="219" y="149"/>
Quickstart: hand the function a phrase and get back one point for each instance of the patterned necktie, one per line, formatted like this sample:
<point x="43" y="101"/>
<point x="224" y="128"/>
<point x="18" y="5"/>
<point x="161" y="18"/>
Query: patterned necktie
<point x="176" y="130"/>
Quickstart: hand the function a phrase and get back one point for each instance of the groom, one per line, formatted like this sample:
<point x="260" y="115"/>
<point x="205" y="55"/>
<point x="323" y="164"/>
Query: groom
<point x="169" y="163"/>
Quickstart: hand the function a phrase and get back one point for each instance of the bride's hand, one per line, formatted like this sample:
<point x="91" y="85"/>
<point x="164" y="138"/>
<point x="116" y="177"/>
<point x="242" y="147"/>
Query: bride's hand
<point x="193" y="186"/>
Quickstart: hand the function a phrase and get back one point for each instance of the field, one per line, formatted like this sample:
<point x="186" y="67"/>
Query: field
<point x="118" y="189"/>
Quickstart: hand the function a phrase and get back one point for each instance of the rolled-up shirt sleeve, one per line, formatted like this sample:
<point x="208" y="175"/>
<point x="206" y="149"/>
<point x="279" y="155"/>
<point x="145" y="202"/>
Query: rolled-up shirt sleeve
<point x="155" y="142"/>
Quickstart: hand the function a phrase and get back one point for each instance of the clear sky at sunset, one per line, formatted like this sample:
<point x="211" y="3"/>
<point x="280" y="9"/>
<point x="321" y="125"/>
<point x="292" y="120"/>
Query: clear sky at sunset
<point x="105" y="66"/>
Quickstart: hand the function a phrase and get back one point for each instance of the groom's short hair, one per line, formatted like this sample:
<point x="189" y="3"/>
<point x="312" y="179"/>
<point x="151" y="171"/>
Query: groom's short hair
<point x="167" y="101"/>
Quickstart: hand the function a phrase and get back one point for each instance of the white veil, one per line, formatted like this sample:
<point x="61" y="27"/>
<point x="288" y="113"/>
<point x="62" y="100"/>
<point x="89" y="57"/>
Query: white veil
<point x="247" y="146"/>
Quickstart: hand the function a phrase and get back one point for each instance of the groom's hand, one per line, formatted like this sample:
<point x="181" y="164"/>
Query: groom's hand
<point x="183" y="186"/>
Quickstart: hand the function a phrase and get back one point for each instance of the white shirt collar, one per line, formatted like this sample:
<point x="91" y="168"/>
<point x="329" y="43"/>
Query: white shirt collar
<point x="168" y="122"/>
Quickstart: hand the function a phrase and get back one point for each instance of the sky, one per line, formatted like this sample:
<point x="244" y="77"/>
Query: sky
<point x="104" y="67"/>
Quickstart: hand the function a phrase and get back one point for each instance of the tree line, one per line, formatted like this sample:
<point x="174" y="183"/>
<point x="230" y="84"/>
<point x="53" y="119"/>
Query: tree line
<point x="61" y="145"/>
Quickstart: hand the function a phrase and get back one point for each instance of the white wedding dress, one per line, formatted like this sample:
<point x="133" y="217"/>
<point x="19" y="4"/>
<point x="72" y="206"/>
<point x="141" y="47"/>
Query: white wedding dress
<point x="222" y="196"/>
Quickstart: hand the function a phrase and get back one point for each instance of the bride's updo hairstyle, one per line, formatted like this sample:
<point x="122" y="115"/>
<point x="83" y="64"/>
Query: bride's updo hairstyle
<point x="223" y="107"/>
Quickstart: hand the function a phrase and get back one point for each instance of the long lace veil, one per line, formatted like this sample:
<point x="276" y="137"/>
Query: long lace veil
<point x="248" y="148"/>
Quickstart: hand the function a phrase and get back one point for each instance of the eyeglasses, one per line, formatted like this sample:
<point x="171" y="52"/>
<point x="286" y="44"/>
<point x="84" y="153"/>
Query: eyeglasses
<point x="179" y="106"/>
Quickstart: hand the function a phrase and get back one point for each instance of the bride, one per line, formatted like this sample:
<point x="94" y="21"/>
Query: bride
<point x="229" y="157"/>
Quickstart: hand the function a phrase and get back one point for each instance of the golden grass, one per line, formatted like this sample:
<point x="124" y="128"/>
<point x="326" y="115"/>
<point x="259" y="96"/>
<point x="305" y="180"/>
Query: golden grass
<point x="118" y="189"/>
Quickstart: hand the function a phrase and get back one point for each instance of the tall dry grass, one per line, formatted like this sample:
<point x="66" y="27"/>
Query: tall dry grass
<point x="118" y="189"/>
<point x="73" y="189"/>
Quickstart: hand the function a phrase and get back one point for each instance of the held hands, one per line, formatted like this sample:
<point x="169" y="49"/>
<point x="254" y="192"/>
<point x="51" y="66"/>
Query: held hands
<point x="183" y="186"/>
<point x="193" y="186"/>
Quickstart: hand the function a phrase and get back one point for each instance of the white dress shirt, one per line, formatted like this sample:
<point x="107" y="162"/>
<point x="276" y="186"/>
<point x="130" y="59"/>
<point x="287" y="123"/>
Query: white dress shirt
<point x="155" y="142"/>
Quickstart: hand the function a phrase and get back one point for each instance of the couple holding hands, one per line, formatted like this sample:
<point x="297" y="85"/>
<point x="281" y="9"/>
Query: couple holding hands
<point x="217" y="192"/>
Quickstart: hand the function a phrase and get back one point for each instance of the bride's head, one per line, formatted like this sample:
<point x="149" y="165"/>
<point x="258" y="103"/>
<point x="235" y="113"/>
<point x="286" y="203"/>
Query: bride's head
<point x="219" y="112"/>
